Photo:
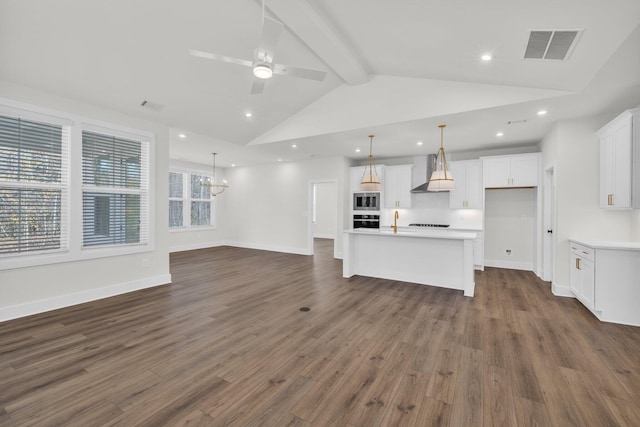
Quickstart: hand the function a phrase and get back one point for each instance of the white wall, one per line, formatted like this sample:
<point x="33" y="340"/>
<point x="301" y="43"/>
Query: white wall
<point x="510" y="221"/>
<point x="269" y="205"/>
<point x="197" y="238"/>
<point x="28" y="290"/>
<point x="572" y="147"/>
<point x="326" y="210"/>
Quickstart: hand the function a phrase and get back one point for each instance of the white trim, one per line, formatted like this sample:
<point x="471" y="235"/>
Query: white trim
<point x="62" y="301"/>
<point x="561" y="291"/>
<point x="272" y="248"/>
<point x="194" y="246"/>
<point x="512" y="265"/>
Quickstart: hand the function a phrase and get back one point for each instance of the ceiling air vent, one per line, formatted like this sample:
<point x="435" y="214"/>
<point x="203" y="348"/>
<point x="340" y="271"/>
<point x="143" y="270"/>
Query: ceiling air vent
<point x="550" y="44"/>
<point x="153" y="106"/>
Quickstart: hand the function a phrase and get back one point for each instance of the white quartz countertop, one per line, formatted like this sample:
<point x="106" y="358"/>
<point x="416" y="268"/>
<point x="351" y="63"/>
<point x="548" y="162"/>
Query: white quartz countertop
<point x="424" y="234"/>
<point x="607" y="244"/>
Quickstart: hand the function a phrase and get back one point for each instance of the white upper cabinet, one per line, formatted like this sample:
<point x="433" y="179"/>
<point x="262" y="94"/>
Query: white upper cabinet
<point x="397" y="186"/>
<point x="467" y="176"/>
<point x="519" y="170"/>
<point x="619" y="152"/>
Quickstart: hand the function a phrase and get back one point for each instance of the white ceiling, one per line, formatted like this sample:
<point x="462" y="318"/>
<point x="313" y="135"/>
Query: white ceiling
<point x="396" y="69"/>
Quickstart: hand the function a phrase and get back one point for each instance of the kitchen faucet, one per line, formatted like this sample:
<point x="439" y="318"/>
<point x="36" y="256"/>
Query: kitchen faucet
<point x="395" y="222"/>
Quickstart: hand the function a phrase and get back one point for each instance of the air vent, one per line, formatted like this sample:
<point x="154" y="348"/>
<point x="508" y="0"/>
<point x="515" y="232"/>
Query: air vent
<point x="550" y="44"/>
<point x="153" y="106"/>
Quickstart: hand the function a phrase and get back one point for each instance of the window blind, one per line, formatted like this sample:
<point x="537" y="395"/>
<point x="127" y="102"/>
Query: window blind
<point x="115" y="190"/>
<point x="33" y="187"/>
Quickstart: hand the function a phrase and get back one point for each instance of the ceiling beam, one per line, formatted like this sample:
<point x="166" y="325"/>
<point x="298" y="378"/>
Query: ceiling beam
<point x="305" y="22"/>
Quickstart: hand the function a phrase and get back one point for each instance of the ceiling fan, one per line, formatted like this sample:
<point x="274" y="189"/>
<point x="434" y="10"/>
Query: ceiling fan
<point x="262" y="63"/>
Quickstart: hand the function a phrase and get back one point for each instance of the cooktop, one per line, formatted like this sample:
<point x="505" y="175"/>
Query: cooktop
<point x="429" y="225"/>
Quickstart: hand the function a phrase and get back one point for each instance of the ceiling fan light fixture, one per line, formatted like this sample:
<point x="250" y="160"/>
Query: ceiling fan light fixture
<point x="262" y="70"/>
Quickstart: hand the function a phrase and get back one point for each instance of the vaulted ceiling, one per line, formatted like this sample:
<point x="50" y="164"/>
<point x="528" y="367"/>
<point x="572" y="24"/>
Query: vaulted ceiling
<point x="396" y="69"/>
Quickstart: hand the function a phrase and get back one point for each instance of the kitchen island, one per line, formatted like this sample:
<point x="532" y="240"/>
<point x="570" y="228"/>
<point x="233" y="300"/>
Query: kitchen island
<point x="442" y="258"/>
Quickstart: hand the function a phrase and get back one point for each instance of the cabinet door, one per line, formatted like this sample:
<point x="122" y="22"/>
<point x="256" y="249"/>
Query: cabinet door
<point x="458" y="197"/>
<point x="473" y="184"/>
<point x="622" y="165"/>
<point x="397" y="187"/>
<point x="575" y="276"/>
<point x="497" y="173"/>
<point x="355" y="177"/>
<point x="524" y="171"/>
<point x="607" y="169"/>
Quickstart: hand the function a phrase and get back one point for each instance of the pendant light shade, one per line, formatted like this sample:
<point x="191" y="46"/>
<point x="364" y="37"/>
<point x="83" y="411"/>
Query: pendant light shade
<point x="441" y="179"/>
<point x="370" y="180"/>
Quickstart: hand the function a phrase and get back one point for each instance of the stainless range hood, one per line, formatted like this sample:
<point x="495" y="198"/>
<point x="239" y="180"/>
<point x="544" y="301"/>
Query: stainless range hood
<point x="422" y="169"/>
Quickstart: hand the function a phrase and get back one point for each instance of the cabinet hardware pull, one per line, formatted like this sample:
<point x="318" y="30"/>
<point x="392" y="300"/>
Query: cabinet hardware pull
<point x="578" y="264"/>
<point x="586" y="253"/>
<point x="610" y="199"/>
<point x="573" y="247"/>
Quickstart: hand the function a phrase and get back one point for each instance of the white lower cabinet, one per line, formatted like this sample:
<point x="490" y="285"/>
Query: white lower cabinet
<point x="604" y="278"/>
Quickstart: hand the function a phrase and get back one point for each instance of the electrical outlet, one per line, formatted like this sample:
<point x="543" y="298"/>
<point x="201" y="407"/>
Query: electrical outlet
<point x="508" y="252"/>
<point x="145" y="262"/>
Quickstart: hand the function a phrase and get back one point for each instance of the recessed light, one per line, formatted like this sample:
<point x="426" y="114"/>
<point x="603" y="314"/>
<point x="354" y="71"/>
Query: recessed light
<point x="182" y="135"/>
<point x="233" y="165"/>
<point x="294" y="146"/>
<point x="357" y="150"/>
<point x="542" y="112"/>
<point x="419" y="143"/>
<point x="499" y="134"/>
<point x="279" y="160"/>
<point x="248" y="114"/>
<point x="486" y="57"/>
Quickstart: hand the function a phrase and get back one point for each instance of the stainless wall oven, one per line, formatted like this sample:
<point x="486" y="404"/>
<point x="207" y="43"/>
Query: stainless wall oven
<point x="366" y="221"/>
<point x="366" y="201"/>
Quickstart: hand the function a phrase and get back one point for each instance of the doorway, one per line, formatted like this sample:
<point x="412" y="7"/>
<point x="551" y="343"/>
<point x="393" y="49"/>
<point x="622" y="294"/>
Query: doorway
<point x="323" y="212"/>
<point x="549" y="213"/>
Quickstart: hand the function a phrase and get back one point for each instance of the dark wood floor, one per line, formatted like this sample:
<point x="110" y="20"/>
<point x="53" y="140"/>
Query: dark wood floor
<point x="226" y="344"/>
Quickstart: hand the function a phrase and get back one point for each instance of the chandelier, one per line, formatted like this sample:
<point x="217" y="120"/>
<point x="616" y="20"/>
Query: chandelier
<point x="370" y="181"/>
<point x="441" y="179"/>
<point x="211" y="183"/>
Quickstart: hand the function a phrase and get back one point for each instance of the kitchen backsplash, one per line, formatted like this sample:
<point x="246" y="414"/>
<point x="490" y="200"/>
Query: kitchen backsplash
<point x="433" y="208"/>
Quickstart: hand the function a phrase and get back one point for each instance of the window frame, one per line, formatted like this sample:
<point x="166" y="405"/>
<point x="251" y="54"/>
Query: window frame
<point x="72" y="208"/>
<point x="187" y="200"/>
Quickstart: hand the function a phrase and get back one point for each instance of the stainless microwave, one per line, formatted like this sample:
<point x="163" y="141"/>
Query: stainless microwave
<point x="366" y="201"/>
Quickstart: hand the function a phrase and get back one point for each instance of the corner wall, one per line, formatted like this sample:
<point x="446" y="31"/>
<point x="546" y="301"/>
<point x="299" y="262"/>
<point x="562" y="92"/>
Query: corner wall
<point x="269" y="205"/>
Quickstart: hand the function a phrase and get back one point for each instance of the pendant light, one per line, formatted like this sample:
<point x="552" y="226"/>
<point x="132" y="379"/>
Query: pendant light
<point x="212" y="184"/>
<point x="441" y="179"/>
<point x="370" y="180"/>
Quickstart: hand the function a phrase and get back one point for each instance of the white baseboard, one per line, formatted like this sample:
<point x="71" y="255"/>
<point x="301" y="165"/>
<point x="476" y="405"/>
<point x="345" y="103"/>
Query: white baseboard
<point x="561" y="291"/>
<point x="512" y="265"/>
<point x="324" y="236"/>
<point x="273" y="248"/>
<point x="194" y="246"/>
<point x="41" y="306"/>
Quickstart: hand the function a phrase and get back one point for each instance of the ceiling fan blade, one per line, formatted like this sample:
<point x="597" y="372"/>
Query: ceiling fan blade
<point x="223" y="58"/>
<point x="258" y="86"/>
<point x="304" y="73"/>
<point x="269" y="37"/>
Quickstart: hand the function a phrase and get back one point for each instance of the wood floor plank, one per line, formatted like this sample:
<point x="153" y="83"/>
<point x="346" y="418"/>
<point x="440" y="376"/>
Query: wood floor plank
<point x="226" y="344"/>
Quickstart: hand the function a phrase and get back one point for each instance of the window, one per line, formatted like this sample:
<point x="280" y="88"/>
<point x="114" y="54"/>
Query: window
<point x="176" y="199"/>
<point x="188" y="199"/>
<point x="114" y="191"/>
<point x="71" y="188"/>
<point x="33" y="191"/>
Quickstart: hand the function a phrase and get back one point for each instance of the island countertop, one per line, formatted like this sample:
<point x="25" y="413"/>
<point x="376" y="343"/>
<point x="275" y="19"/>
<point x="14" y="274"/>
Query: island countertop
<point x="434" y="234"/>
